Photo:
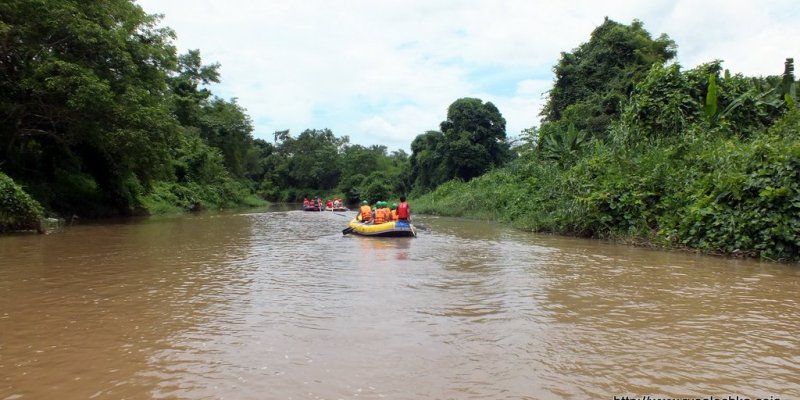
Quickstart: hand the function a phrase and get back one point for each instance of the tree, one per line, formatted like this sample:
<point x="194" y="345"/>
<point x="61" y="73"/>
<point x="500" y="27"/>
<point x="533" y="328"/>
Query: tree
<point x="426" y="163"/>
<point x="81" y="92"/>
<point x="226" y="126"/>
<point x="594" y="78"/>
<point x="188" y="95"/>
<point x="474" y="138"/>
<point x="312" y="160"/>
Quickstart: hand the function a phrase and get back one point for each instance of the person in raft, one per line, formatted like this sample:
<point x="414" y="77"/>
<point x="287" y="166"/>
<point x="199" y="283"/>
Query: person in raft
<point x="393" y="209"/>
<point x="382" y="213"/>
<point x="403" y="210"/>
<point x="387" y="213"/>
<point x="330" y="204"/>
<point x="364" y="213"/>
<point x="305" y="201"/>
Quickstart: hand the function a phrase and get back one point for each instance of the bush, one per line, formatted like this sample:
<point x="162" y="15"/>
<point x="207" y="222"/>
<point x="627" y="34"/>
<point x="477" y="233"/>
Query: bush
<point x="18" y="211"/>
<point x="172" y="197"/>
<point x="744" y="197"/>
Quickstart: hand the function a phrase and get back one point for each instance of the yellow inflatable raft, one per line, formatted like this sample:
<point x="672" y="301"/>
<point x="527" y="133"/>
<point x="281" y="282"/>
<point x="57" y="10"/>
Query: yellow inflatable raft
<point x="393" y="229"/>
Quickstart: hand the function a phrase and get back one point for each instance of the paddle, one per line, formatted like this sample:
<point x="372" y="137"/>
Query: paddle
<point x="347" y="230"/>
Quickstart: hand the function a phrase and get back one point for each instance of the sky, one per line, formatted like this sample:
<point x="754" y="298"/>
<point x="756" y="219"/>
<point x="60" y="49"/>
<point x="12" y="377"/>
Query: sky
<point x="384" y="71"/>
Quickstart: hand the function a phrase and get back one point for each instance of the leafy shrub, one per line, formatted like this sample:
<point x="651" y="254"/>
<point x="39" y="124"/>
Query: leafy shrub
<point x="18" y="211"/>
<point x="745" y="197"/>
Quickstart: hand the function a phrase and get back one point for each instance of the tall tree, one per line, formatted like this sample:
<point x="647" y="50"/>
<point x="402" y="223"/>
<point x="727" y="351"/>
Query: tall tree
<point x="186" y="83"/>
<point x="593" y="79"/>
<point x="81" y="91"/>
<point x="426" y="163"/>
<point x="311" y="161"/>
<point x="226" y="126"/>
<point x="474" y="134"/>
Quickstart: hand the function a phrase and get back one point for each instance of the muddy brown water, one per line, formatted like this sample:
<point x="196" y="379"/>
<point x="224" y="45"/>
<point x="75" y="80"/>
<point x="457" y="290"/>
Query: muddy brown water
<point x="278" y="304"/>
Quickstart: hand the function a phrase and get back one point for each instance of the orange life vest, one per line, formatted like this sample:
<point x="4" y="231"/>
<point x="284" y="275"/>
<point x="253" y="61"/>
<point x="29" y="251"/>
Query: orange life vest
<point x="394" y="215"/>
<point x="380" y="216"/>
<point x="366" y="213"/>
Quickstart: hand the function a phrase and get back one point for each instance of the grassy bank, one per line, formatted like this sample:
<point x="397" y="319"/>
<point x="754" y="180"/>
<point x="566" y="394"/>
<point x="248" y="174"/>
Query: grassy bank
<point x="21" y="211"/>
<point x="170" y="197"/>
<point x="711" y="192"/>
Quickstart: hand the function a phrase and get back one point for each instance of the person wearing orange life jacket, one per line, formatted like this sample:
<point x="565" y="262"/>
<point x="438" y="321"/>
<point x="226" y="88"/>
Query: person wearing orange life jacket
<point x="387" y="213"/>
<point x="365" y="213"/>
<point x="380" y="213"/>
<point x="403" y="210"/>
<point x="393" y="211"/>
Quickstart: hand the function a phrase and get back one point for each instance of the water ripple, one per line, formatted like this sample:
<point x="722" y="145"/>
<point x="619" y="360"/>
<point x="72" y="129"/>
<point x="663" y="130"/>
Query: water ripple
<point x="281" y="303"/>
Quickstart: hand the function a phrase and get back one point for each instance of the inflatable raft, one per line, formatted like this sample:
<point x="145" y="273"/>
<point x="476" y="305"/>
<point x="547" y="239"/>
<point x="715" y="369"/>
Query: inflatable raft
<point x="390" y="229"/>
<point x="312" y="208"/>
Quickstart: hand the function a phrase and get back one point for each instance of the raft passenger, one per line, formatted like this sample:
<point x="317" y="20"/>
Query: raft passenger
<point x="365" y="213"/>
<point x="380" y="213"/>
<point x="403" y="210"/>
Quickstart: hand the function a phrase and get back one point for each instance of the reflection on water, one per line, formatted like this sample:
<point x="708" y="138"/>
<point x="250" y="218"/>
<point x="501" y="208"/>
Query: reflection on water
<point x="279" y="304"/>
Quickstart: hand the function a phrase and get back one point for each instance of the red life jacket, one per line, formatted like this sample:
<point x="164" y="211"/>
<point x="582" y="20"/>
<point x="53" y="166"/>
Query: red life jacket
<point x="403" y="211"/>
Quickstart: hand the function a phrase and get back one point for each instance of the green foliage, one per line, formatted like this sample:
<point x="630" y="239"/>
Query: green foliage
<point x="697" y="159"/>
<point x="352" y="187"/>
<point x="563" y="148"/>
<point x="168" y="197"/>
<point x="661" y="105"/>
<point x="225" y="126"/>
<point x="711" y="98"/>
<point x="321" y="164"/>
<point x="744" y="197"/>
<point x="18" y="211"/>
<point x="600" y="73"/>
<point x="96" y="108"/>
<point x="472" y="141"/>
<point x="788" y="83"/>
<point x="706" y="191"/>
<point x="377" y="190"/>
<point x="426" y="164"/>
<point x="84" y="82"/>
<point x="474" y="138"/>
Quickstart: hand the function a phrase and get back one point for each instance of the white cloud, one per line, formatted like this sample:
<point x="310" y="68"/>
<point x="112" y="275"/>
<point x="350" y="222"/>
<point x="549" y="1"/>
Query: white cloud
<point x="384" y="72"/>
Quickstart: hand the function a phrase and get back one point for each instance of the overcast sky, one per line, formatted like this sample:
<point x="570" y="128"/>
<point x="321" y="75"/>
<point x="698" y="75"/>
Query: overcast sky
<point x="383" y="72"/>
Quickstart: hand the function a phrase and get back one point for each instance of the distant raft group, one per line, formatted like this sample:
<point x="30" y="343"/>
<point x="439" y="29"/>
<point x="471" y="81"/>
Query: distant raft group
<point x="318" y="205"/>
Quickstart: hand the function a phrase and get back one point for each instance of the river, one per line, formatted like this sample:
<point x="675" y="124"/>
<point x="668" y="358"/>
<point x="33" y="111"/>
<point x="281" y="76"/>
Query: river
<point x="278" y="304"/>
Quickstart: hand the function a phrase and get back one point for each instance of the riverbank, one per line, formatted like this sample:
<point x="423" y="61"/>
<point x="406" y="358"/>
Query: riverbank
<point x="712" y="193"/>
<point x="20" y="211"/>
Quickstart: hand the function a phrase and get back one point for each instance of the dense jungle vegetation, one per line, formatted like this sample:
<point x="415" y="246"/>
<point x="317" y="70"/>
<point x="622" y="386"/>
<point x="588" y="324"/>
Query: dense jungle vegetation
<point x="100" y="116"/>
<point x="634" y="147"/>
